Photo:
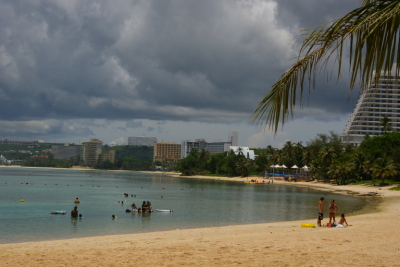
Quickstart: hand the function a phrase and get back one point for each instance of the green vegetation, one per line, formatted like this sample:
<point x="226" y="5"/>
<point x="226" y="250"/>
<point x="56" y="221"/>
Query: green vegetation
<point x="375" y="161"/>
<point x="397" y="188"/>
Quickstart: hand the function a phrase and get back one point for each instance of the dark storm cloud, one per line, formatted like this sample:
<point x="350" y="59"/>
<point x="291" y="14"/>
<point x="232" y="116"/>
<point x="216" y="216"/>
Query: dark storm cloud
<point x="189" y="60"/>
<point x="134" y="124"/>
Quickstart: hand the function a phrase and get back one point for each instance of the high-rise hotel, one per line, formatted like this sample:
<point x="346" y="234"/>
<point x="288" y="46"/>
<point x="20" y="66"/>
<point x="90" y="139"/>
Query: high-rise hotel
<point x="378" y="100"/>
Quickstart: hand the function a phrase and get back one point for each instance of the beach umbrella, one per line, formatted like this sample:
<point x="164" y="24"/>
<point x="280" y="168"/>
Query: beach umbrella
<point x="295" y="167"/>
<point x="277" y="166"/>
<point x="283" y="166"/>
<point x="305" y="168"/>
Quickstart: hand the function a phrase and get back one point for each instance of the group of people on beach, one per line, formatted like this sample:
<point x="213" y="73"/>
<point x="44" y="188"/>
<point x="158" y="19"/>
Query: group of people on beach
<point x="333" y="209"/>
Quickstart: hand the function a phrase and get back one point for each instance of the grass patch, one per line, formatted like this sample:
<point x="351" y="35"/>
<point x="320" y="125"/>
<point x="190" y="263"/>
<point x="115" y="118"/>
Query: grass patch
<point x="397" y="188"/>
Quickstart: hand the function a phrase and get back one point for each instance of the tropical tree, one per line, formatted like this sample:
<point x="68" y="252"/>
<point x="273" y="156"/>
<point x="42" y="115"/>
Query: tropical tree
<point x="371" y="32"/>
<point x="204" y="157"/>
<point x="385" y="123"/>
<point x="242" y="166"/>
<point x="288" y="149"/>
<point x="383" y="168"/>
<point x="340" y="171"/>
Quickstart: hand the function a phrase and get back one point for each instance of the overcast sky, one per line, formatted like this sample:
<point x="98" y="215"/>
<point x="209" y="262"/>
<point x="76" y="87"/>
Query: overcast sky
<point x="172" y="69"/>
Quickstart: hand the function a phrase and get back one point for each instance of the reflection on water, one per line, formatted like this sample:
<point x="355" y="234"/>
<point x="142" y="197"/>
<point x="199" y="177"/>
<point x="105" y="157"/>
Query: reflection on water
<point x="195" y="202"/>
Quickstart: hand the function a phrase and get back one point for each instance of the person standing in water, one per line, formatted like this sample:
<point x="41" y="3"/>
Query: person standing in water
<point x="320" y="211"/>
<point x="74" y="212"/>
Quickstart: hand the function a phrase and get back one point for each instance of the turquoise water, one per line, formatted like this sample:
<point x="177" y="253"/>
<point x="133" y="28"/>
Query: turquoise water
<point x="195" y="203"/>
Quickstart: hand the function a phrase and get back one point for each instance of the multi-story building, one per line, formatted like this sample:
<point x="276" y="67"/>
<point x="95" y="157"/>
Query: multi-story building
<point x="187" y="146"/>
<point x="167" y="150"/>
<point x="213" y="148"/>
<point x="233" y="138"/>
<point x="18" y="142"/>
<point x="245" y="151"/>
<point x="142" y="141"/>
<point x="66" y="151"/>
<point x="378" y="100"/>
<point x="90" y="151"/>
<point x="110" y="156"/>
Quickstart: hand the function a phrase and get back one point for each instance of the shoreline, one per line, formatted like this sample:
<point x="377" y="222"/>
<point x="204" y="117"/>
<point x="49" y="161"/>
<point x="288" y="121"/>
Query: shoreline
<point x="371" y="240"/>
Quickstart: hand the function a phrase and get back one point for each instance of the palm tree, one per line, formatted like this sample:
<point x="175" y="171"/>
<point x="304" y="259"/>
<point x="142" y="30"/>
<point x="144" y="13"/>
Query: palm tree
<point x="327" y="155"/>
<point x="288" y="148"/>
<point x="242" y="166"/>
<point x="385" y="123"/>
<point x="383" y="168"/>
<point x="372" y="31"/>
<point x="340" y="170"/>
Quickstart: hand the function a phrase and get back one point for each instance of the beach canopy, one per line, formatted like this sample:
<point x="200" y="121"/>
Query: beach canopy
<point x="295" y="167"/>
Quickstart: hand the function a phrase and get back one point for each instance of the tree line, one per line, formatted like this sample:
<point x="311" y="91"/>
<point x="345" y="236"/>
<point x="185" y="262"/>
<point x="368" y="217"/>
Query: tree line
<point x="376" y="159"/>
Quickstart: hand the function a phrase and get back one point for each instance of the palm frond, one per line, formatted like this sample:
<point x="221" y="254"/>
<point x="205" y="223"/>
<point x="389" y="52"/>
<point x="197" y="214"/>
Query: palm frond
<point x="371" y="31"/>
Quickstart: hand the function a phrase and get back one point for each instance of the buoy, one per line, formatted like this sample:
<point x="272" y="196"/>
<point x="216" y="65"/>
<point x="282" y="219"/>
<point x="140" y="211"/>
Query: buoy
<point x="22" y="200"/>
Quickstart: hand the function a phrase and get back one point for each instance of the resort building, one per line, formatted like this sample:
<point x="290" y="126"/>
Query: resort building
<point x="91" y="151"/>
<point x="142" y="141"/>
<point x="378" y="100"/>
<point x="188" y="145"/>
<point x="245" y="151"/>
<point x="18" y="142"/>
<point x="167" y="150"/>
<point x="213" y="148"/>
<point x="110" y="156"/>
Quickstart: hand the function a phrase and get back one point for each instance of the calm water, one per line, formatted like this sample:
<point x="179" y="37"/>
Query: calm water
<point x="195" y="203"/>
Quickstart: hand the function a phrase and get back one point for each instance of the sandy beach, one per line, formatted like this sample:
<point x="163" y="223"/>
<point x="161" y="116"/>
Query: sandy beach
<point x="371" y="240"/>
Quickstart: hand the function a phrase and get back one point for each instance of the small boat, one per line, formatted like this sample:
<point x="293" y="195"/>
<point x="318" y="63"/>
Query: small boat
<point x="158" y="210"/>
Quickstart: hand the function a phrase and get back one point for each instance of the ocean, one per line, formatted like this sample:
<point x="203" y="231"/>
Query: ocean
<point x="196" y="203"/>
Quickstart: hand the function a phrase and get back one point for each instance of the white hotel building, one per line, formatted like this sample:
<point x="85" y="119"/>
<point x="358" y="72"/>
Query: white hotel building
<point x="377" y="101"/>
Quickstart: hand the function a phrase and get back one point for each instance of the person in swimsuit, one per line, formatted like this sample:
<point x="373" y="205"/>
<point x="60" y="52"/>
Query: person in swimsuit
<point x="333" y="208"/>
<point x="320" y="211"/>
<point x="342" y="221"/>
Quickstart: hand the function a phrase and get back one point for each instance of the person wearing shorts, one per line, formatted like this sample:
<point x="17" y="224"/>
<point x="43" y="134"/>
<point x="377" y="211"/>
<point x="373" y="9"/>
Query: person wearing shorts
<point x="320" y="211"/>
